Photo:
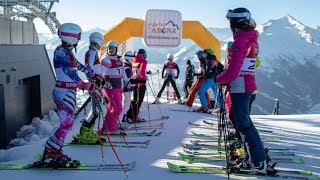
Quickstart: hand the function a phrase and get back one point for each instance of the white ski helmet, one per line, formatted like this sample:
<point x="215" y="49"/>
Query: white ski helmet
<point x="128" y="56"/>
<point x="70" y="33"/>
<point x="170" y="56"/>
<point x="97" y="38"/>
<point x="112" y="43"/>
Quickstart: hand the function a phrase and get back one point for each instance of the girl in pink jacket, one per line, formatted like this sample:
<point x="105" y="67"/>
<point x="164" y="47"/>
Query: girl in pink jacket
<point x="240" y="79"/>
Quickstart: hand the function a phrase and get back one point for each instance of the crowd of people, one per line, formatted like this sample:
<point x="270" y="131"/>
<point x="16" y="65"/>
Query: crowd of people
<point x="115" y="78"/>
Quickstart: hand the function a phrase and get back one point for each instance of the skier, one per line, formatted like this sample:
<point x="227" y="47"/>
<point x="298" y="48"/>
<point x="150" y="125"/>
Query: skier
<point x="64" y="93"/>
<point x="206" y="61"/>
<point x="200" y="79"/>
<point x="188" y="78"/>
<point x="127" y="89"/>
<point x="139" y="76"/>
<point x="276" y="107"/>
<point x="113" y="71"/>
<point x="240" y="77"/>
<point x="170" y="73"/>
<point x="217" y="67"/>
<point x="92" y="61"/>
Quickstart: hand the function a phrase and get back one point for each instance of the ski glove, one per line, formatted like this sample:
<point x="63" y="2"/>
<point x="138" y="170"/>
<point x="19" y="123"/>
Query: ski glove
<point x="86" y="86"/>
<point x="96" y="79"/>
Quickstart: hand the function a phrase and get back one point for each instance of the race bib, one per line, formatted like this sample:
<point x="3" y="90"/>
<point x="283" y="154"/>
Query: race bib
<point x="169" y="71"/>
<point x="117" y="72"/>
<point x="136" y="71"/>
<point x="249" y="64"/>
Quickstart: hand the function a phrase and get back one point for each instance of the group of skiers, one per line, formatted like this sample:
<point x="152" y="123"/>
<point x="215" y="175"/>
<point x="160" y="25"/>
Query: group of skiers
<point x="111" y="77"/>
<point x="207" y="68"/>
<point x="115" y="77"/>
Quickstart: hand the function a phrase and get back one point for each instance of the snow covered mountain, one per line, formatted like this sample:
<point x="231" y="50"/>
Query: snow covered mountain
<point x="290" y="55"/>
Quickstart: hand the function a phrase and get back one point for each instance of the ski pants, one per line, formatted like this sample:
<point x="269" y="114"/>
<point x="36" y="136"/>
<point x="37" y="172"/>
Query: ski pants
<point x="253" y="97"/>
<point x="186" y="87"/>
<point x="138" y="96"/>
<point x="65" y="100"/>
<point x="168" y="80"/>
<point x="93" y="114"/>
<point x="208" y="83"/>
<point x="114" y="108"/>
<point x="126" y="102"/>
<point x="249" y="135"/>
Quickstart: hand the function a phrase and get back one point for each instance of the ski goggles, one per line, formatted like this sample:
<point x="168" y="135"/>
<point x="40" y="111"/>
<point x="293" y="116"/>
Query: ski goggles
<point x="231" y="14"/>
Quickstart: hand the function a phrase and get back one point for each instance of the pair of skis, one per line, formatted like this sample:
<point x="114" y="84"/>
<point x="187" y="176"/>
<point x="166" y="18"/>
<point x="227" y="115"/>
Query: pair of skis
<point x="190" y="158"/>
<point x="211" y="152"/>
<point x="127" y="144"/>
<point x="294" y="174"/>
<point x="145" y="127"/>
<point x="135" y="134"/>
<point x="92" y="167"/>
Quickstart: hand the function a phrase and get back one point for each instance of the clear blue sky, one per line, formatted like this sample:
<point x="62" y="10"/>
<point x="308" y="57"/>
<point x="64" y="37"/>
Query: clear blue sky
<point x="106" y="13"/>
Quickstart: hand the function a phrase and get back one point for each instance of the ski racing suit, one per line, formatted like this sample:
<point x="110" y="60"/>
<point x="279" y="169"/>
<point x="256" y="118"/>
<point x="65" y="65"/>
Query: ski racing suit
<point x="189" y="80"/>
<point x="92" y="61"/>
<point x="64" y="93"/>
<point x="127" y="90"/>
<point x="112" y="70"/>
<point x="170" y="68"/>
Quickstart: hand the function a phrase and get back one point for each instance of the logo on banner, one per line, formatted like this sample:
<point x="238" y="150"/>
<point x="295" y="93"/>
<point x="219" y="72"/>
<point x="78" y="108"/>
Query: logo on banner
<point x="162" y="28"/>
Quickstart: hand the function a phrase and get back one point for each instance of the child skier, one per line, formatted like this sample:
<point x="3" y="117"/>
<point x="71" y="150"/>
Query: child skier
<point x="207" y="64"/>
<point x="189" y="76"/>
<point x="64" y="93"/>
<point x="87" y="135"/>
<point x="127" y="89"/>
<point x="170" y="72"/>
<point x="240" y="77"/>
<point x="113" y="71"/>
<point x="139" y="76"/>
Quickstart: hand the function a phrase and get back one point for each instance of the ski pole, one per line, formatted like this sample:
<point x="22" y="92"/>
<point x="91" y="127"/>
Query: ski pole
<point x="148" y="107"/>
<point x="99" y="131"/>
<point x="152" y="84"/>
<point x="111" y="145"/>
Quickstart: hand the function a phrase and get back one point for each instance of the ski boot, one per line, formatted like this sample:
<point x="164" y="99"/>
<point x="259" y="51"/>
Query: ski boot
<point x="261" y="168"/>
<point x="122" y="125"/>
<point x="246" y="167"/>
<point x="87" y="134"/>
<point x="202" y="109"/>
<point x="232" y="136"/>
<point x="139" y="120"/>
<point x="157" y="101"/>
<point x="56" y="159"/>
<point x="216" y="111"/>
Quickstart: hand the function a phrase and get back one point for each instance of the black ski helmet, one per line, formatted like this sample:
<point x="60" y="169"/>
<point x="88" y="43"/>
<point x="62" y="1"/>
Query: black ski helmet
<point x="143" y="53"/>
<point x="240" y="18"/>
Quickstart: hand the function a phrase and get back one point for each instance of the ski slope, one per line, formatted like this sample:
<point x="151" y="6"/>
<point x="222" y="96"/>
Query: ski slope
<point x="295" y="131"/>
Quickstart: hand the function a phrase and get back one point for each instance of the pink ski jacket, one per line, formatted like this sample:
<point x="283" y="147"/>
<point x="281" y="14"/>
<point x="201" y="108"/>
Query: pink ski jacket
<point x="240" y="75"/>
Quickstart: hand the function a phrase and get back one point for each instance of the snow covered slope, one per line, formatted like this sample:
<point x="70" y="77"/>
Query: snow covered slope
<point x="295" y="131"/>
